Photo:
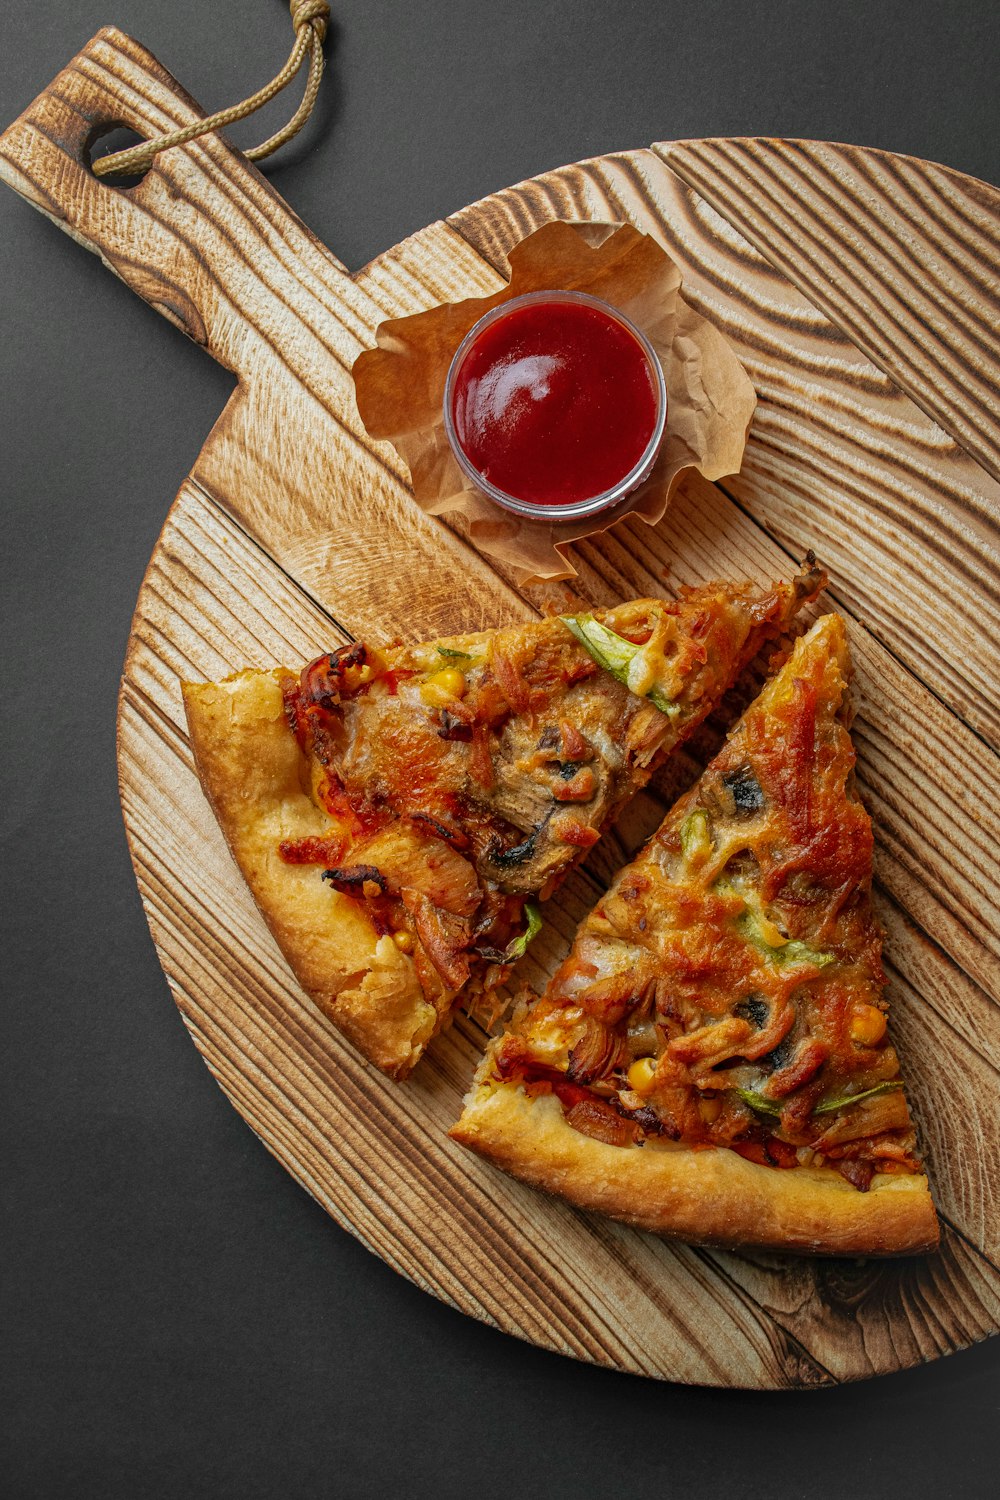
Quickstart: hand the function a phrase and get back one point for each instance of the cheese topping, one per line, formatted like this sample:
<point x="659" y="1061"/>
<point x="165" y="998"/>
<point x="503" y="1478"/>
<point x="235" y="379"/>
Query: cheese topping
<point x="732" y="975"/>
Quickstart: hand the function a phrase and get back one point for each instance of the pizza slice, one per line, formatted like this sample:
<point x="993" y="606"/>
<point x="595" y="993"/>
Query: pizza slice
<point x="711" y="1061"/>
<point x="396" y="812"/>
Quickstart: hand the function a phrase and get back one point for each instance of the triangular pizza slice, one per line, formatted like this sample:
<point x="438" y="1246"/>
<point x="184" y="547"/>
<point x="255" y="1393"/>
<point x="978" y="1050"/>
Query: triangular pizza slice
<point x="711" y="1061"/>
<point x="396" y="811"/>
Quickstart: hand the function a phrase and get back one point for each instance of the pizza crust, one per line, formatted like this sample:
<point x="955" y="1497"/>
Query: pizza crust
<point x="256" y="779"/>
<point x="706" y="1195"/>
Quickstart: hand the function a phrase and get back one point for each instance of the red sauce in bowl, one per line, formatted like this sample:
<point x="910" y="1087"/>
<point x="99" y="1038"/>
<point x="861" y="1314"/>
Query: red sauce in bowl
<point x="555" y="402"/>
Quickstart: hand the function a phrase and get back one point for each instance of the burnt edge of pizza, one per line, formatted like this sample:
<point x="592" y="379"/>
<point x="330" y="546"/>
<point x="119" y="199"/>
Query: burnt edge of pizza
<point x="712" y="1059"/>
<point x="398" y="811"/>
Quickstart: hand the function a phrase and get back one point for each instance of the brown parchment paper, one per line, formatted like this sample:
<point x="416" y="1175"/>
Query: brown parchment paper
<point x="710" y="399"/>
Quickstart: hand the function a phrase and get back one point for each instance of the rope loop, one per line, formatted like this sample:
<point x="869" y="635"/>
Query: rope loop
<point x="310" y="19"/>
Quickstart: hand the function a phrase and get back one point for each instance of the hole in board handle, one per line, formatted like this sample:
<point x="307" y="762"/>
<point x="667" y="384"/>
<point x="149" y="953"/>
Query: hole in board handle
<point x="105" y="140"/>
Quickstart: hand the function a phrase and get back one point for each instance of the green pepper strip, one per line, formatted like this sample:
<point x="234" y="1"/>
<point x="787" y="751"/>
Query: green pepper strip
<point x="793" y="952"/>
<point x="759" y="1102"/>
<point x="765" y="1106"/>
<point x="614" y="653"/>
<point x="517" y="947"/>
<point x="695" y="835"/>
<point x="832" y="1105"/>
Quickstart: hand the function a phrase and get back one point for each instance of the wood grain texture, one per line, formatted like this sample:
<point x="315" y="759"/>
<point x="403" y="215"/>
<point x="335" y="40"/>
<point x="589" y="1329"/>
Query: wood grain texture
<point x="204" y="239"/>
<point x="838" y="458"/>
<point x="295" y="531"/>
<point x="902" y="254"/>
<point x="376" y="1155"/>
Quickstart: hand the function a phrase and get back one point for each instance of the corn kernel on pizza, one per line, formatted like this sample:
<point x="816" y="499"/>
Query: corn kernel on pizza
<point x="397" y="812"/>
<point x="712" y="1060"/>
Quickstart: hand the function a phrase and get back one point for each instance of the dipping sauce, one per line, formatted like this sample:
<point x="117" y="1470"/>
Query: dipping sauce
<point x="555" y="401"/>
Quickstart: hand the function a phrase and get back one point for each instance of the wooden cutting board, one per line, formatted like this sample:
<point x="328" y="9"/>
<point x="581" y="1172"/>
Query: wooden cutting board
<point x="861" y="292"/>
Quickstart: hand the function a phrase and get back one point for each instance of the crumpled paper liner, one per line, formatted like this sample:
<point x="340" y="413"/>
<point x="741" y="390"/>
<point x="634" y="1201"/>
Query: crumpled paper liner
<point x="710" y="399"/>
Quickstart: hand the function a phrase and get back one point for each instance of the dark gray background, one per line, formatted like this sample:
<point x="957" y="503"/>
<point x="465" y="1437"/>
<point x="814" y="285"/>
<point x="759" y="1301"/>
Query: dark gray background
<point x="180" y="1318"/>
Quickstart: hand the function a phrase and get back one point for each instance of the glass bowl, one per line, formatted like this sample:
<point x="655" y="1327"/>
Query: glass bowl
<point x="608" y="498"/>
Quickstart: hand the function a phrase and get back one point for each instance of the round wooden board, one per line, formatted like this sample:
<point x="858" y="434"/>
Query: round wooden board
<point x="860" y="291"/>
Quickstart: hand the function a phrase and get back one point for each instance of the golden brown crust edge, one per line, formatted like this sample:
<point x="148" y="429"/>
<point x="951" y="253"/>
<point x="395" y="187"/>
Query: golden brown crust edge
<point x="251" y="771"/>
<point x="708" y="1196"/>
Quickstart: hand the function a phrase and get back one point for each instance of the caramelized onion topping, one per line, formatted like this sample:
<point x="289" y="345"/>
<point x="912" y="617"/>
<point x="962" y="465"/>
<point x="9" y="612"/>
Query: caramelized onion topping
<point x="602" y="1122"/>
<point x="596" y="1054"/>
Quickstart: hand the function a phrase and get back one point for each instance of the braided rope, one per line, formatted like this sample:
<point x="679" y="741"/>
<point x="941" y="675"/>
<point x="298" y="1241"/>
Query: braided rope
<point x="309" y="18"/>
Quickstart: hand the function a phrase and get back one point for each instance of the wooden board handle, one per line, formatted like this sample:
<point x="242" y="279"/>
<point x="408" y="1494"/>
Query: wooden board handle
<point x="167" y="236"/>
